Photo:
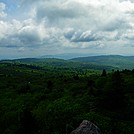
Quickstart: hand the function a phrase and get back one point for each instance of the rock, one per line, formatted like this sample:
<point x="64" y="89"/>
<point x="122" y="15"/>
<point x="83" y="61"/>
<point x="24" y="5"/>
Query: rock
<point x="87" y="127"/>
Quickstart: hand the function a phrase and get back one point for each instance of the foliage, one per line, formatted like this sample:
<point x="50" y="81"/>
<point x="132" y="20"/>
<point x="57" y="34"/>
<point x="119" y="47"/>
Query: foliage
<point x="54" y="99"/>
<point x="120" y="62"/>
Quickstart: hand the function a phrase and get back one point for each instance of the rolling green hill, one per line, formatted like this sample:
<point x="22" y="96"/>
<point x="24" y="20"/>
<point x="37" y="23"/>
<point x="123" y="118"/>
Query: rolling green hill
<point x="118" y="61"/>
<point x="107" y="62"/>
<point x="58" y="63"/>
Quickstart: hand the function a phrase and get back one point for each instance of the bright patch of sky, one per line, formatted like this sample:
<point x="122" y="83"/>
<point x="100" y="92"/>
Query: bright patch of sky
<point x="11" y="7"/>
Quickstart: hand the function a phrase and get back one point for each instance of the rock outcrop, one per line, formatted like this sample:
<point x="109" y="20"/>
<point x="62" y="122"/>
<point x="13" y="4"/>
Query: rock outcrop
<point x="87" y="127"/>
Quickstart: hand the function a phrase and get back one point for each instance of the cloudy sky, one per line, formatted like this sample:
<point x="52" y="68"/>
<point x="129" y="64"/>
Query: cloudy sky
<point x="30" y="28"/>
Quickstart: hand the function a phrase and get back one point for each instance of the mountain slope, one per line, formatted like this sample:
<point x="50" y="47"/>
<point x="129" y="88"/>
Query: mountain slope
<point x="59" y="63"/>
<point x="118" y="61"/>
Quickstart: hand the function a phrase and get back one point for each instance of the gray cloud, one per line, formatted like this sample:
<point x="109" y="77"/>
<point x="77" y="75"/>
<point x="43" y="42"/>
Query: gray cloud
<point x="29" y="35"/>
<point x="19" y="34"/>
<point x="59" y="11"/>
<point x="68" y="24"/>
<point x="90" y="36"/>
<point x="79" y="36"/>
<point x="84" y="16"/>
<point x="126" y="0"/>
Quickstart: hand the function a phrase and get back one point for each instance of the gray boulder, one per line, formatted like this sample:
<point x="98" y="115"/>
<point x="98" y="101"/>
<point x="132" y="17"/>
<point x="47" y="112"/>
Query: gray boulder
<point x="87" y="127"/>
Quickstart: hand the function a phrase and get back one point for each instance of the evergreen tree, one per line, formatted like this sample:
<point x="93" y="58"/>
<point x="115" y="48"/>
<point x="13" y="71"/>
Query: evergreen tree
<point x="104" y="73"/>
<point x="114" y="98"/>
<point x="28" y="124"/>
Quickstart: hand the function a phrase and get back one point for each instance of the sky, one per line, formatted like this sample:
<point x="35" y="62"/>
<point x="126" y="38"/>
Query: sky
<point x="32" y="28"/>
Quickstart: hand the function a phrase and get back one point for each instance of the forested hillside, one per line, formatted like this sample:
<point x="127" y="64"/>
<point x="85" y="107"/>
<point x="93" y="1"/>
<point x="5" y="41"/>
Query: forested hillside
<point x="52" y="99"/>
<point x="118" y="61"/>
<point x="58" y="63"/>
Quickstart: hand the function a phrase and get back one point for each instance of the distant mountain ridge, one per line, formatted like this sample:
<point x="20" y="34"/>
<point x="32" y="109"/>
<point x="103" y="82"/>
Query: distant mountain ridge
<point x="118" y="61"/>
<point x="58" y="63"/>
<point x="67" y="56"/>
<point x="107" y="62"/>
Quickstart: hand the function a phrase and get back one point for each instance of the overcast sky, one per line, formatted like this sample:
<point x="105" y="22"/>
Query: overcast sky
<point x="30" y="28"/>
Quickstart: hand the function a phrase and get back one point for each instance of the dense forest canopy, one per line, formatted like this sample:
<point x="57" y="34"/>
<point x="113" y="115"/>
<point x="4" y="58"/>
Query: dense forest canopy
<point x="53" y="98"/>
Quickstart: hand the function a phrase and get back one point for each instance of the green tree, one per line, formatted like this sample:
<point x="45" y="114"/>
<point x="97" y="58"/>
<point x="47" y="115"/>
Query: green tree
<point x="114" y="98"/>
<point x="28" y="124"/>
<point x="104" y="73"/>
